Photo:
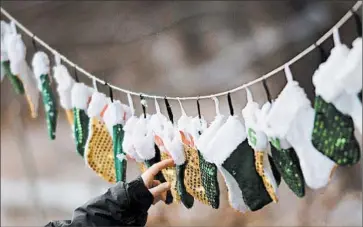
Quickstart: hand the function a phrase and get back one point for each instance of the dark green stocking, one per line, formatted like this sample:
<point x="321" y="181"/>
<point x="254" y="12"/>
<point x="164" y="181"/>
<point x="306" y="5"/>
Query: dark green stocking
<point x="120" y="164"/>
<point x="241" y="165"/>
<point x="209" y="178"/>
<point x="185" y="197"/>
<point x="81" y="121"/>
<point x="14" y="80"/>
<point x="333" y="134"/>
<point x="287" y="164"/>
<point x="50" y="107"/>
<point x="160" y="177"/>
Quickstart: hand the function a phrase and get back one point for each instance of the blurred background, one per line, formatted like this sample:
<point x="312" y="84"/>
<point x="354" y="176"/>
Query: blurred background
<point x="175" y="48"/>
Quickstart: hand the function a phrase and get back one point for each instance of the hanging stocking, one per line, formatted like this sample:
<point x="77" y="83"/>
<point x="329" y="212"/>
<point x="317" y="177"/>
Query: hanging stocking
<point x="170" y="146"/>
<point x="41" y="71"/>
<point x="14" y="80"/>
<point x="149" y="152"/>
<point x="129" y="148"/>
<point x="257" y="139"/>
<point x="167" y="139"/>
<point x="128" y="145"/>
<point x="333" y="133"/>
<point x="296" y="125"/>
<point x="99" y="148"/>
<point x="284" y="156"/>
<point x="65" y="83"/>
<point x="81" y="96"/>
<point x="5" y="63"/>
<point x="115" y="116"/>
<point x="352" y="78"/>
<point x="200" y="176"/>
<point x="16" y="52"/>
<point x="143" y="139"/>
<point x="235" y="159"/>
<point x="208" y="170"/>
<point x="339" y="85"/>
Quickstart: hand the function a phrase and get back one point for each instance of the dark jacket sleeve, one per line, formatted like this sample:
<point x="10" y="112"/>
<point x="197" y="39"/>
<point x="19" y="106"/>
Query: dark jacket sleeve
<point x="125" y="204"/>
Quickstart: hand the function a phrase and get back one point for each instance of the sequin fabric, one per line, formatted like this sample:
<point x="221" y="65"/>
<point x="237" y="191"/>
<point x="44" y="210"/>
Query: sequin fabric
<point x="99" y="151"/>
<point x="208" y="173"/>
<point x="288" y="165"/>
<point x="259" y="155"/>
<point x="18" y="86"/>
<point x="51" y="112"/>
<point x="33" y="111"/>
<point x="14" y="80"/>
<point x="275" y="172"/>
<point x="142" y="166"/>
<point x="160" y="176"/>
<point x="118" y="154"/>
<point x="192" y="180"/>
<point x="80" y="130"/>
<point x="70" y="117"/>
<point x="241" y="165"/>
<point x="170" y="176"/>
<point x="333" y="134"/>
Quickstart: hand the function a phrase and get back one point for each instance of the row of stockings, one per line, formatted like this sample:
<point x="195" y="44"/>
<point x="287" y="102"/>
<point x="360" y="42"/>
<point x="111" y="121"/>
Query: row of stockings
<point x="25" y="81"/>
<point x="85" y="117"/>
<point x="98" y="129"/>
<point x="286" y="138"/>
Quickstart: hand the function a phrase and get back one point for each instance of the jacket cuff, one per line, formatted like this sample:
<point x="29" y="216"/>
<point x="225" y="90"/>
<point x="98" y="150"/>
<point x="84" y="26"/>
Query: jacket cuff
<point x="140" y="196"/>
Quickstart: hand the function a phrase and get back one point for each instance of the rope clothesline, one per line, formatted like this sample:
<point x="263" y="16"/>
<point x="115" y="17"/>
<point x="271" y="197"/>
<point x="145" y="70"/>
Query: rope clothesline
<point x="260" y="79"/>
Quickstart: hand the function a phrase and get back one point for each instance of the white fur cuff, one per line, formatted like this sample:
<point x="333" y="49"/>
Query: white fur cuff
<point x="80" y="95"/>
<point x="40" y="64"/>
<point x="97" y="104"/>
<point x="208" y="134"/>
<point x="286" y="107"/>
<point x="226" y="140"/>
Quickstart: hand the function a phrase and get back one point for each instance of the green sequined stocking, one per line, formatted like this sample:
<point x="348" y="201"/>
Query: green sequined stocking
<point x="209" y="178"/>
<point x="50" y="107"/>
<point x="185" y="197"/>
<point x="160" y="177"/>
<point x="14" y="80"/>
<point x="275" y="171"/>
<point x="81" y="121"/>
<point x="241" y="165"/>
<point x="333" y="134"/>
<point x="287" y="163"/>
<point x="119" y="154"/>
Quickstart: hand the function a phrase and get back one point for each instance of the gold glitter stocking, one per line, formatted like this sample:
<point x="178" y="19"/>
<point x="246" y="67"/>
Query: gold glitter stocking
<point x="169" y="173"/>
<point x="192" y="178"/>
<point x="259" y="156"/>
<point x="99" y="151"/>
<point x="70" y="118"/>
